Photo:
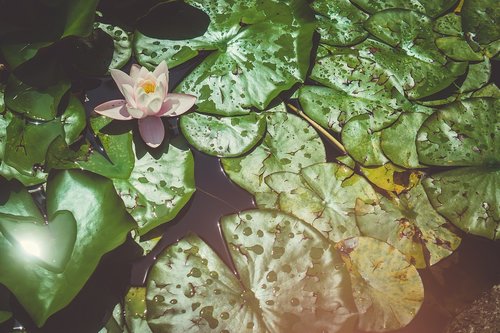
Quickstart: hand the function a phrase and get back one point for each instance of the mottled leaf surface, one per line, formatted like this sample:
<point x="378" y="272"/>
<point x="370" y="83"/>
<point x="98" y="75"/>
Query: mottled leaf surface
<point x="223" y="136"/>
<point x="481" y="18"/>
<point x="323" y="195"/>
<point x="387" y="289"/>
<point x="161" y="183"/>
<point x="290" y="280"/>
<point x="428" y="7"/>
<point x="289" y="145"/>
<point x="122" y="42"/>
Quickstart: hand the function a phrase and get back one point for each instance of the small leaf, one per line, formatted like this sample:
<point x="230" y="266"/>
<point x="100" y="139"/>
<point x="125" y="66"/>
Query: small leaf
<point x="323" y="195"/>
<point x="388" y="290"/>
<point x="289" y="145"/>
<point x="223" y="136"/>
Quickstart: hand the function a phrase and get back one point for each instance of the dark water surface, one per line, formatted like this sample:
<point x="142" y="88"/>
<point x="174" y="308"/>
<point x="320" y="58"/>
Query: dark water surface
<point x="449" y="285"/>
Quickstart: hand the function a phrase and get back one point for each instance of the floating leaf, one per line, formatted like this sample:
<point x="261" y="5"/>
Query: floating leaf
<point x="462" y="134"/>
<point x="102" y="225"/>
<point x="290" y="280"/>
<point x="449" y="25"/>
<point x="398" y="140"/>
<point x="160" y="184"/>
<point x="410" y="224"/>
<point x="468" y="197"/>
<point x="323" y="195"/>
<point x="118" y="146"/>
<point x="73" y="120"/>
<point x="429" y="7"/>
<point x="481" y="20"/>
<point x="35" y="103"/>
<point x="289" y="145"/>
<point x="457" y="49"/>
<point x="388" y="291"/>
<point x="251" y="63"/>
<point x="391" y="177"/>
<point x="477" y="76"/>
<point x="339" y="22"/>
<point x="223" y="136"/>
<point x="49" y="244"/>
<point x="122" y="42"/>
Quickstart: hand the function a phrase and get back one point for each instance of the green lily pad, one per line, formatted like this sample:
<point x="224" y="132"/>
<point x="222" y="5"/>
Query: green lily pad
<point x="289" y="145"/>
<point x="449" y="25"/>
<point x="118" y="146"/>
<point x="339" y="22"/>
<point x="223" y="136"/>
<point x="250" y="63"/>
<point x="489" y="90"/>
<point x="398" y="141"/>
<point x="410" y="224"/>
<point x="481" y="20"/>
<point x="468" y="197"/>
<point x="388" y="291"/>
<point x="102" y="225"/>
<point x="122" y="42"/>
<point x="462" y="134"/>
<point x="289" y="280"/>
<point x="49" y="244"/>
<point x="8" y="171"/>
<point x="477" y="77"/>
<point x="457" y="49"/>
<point x="323" y="195"/>
<point x="429" y="7"/>
<point x="35" y="103"/>
<point x="160" y="184"/>
<point x="73" y="120"/>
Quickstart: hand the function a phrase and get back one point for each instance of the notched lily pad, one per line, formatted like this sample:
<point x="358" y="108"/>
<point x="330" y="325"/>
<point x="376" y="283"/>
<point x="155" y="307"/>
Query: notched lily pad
<point x="223" y="136"/>
<point x="279" y="289"/>
<point x="289" y="145"/>
<point x="323" y="195"/>
<point x="388" y="291"/>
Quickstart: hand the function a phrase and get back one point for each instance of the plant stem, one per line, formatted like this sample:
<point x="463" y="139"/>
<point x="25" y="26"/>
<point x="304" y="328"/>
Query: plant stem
<point x="317" y="126"/>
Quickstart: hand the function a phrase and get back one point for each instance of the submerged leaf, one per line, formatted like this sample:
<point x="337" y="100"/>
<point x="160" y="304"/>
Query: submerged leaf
<point x="388" y="290"/>
<point x="223" y="136"/>
<point x="279" y="289"/>
<point x="289" y="145"/>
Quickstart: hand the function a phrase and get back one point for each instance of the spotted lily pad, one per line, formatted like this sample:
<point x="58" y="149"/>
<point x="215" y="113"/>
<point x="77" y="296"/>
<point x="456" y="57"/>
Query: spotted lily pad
<point x="323" y="195"/>
<point x="223" y="136"/>
<point x="122" y="42"/>
<point x="392" y="178"/>
<point x="428" y="7"/>
<point x="410" y="224"/>
<point x="290" y="279"/>
<point x="339" y="22"/>
<point x="160" y="184"/>
<point x="481" y="20"/>
<point x="289" y="145"/>
<point x="102" y="224"/>
<point x="388" y="291"/>
<point x="259" y="49"/>
<point x="464" y="134"/>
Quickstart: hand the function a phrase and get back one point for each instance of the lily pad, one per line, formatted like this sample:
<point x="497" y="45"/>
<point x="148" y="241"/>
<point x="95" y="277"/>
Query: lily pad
<point x="429" y="7"/>
<point x="449" y="25"/>
<point x="457" y="49"/>
<point x="289" y="280"/>
<point x="464" y="133"/>
<point x="250" y="63"/>
<point x="122" y="42"/>
<point x="73" y="120"/>
<point x="477" y="77"/>
<point x="339" y="22"/>
<point x="410" y="224"/>
<point x="223" y="136"/>
<point x="102" y="225"/>
<point x="388" y="290"/>
<point x="481" y="20"/>
<point x="468" y="197"/>
<point x="392" y="178"/>
<point x="323" y="195"/>
<point x="160" y="184"/>
<point x="289" y="145"/>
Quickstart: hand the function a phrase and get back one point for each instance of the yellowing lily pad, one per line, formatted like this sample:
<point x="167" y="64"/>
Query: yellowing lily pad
<point x="388" y="291"/>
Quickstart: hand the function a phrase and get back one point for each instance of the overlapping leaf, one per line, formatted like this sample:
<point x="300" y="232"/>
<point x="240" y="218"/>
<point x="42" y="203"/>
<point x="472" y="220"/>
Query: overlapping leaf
<point x="429" y="7"/>
<point x="122" y="42"/>
<point x="290" y="279"/>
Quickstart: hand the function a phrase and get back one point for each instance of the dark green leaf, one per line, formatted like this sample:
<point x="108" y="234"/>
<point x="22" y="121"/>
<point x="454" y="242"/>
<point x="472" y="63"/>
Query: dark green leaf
<point x="73" y="120"/>
<point x="481" y="19"/>
<point x="223" y="136"/>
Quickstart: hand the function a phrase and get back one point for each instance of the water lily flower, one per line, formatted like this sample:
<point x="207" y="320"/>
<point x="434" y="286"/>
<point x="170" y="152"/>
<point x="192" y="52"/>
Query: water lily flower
<point x="146" y="99"/>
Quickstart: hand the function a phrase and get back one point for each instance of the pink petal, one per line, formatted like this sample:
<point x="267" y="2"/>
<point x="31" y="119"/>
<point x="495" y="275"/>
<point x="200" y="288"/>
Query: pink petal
<point x="115" y="109"/>
<point x="134" y="71"/>
<point x="121" y="78"/>
<point x="160" y="69"/>
<point x="152" y="131"/>
<point x="176" y="104"/>
<point x="128" y="92"/>
<point x="135" y="112"/>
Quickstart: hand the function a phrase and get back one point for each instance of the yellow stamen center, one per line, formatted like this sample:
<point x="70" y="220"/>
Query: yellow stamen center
<point x="148" y="86"/>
